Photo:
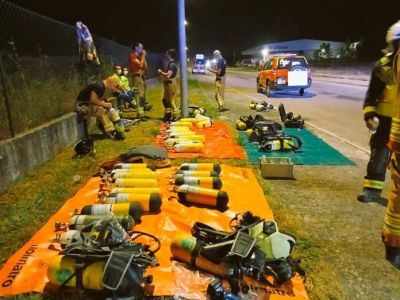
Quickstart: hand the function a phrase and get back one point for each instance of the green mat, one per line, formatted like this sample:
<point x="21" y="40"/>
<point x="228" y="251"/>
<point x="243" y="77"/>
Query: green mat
<point x="314" y="151"/>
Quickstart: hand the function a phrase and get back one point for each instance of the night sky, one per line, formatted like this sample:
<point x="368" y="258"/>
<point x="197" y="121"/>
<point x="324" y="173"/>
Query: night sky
<point x="229" y="25"/>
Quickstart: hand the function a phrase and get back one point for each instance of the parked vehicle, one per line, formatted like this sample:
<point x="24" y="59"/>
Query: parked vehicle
<point x="284" y="73"/>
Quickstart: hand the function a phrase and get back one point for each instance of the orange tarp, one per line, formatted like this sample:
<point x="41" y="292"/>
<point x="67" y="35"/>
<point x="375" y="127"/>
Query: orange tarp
<point x="219" y="143"/>
<point x="28" y="267"/>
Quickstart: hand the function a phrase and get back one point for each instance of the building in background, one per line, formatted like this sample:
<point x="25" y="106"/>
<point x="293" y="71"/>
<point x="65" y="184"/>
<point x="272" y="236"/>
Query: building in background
<point x="304" y="47"/>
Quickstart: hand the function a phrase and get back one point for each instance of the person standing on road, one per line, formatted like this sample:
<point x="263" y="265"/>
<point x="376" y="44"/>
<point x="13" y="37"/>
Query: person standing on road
<point x="220" y="73"/>
<point x="378" y="112"/>
<point x="169" y="82"/>
<point x="391" y="227"/>
<point x="137" y="66"/>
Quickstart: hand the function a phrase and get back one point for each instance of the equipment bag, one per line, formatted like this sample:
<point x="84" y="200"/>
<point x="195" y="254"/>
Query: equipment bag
<point x="290" y="120"/>
<point x="141" y="154"/>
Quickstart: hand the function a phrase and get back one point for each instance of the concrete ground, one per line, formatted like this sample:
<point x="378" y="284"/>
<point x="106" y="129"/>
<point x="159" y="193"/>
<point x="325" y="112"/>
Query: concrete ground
<point x="347" y="256"/>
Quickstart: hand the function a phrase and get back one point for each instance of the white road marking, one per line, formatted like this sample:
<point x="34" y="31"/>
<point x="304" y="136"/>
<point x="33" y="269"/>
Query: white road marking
<point x="313" y="125"/>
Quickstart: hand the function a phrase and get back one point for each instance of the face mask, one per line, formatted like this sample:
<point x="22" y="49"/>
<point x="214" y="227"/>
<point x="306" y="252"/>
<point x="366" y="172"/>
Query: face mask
<point x="126" y="73"/>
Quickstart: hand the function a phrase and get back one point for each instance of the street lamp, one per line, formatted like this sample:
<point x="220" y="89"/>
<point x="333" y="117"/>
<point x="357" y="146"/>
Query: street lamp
<point x="264" y="53"/>
<point x="182" y="57"/>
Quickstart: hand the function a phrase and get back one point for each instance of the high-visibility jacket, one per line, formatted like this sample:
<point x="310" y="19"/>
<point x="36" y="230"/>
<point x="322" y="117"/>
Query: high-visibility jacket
<point x="394" y="143"/>
<point x="125" y="83"/>
<point x="119" y="80"/>
<point x="381" y="92"/>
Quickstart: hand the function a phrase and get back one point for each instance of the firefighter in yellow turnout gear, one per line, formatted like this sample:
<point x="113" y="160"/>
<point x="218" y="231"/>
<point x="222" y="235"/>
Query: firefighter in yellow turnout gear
<point x="378" y="112"/>
<point x="220" y="79"/>
<point x="169" y="82"/>
<point x="391" y="227"/>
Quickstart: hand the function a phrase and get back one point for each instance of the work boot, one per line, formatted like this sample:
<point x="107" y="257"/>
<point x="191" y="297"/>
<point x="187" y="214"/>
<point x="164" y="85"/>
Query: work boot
<point x="393" y="255"/>
<point x="147" y="107"/>
<point x="371" y="195"/>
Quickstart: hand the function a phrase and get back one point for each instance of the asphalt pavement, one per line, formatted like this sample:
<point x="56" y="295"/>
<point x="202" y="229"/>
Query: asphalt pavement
<point x="332" y="106"/>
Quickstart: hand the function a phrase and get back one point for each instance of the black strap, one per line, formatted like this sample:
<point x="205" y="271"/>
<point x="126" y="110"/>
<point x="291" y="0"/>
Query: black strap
<point x="79" y="267"/>
<point x="195" y="253"/>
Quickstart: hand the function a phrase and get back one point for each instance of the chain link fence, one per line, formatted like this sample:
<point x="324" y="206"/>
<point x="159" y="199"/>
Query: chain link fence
<point x="40" y="70"/>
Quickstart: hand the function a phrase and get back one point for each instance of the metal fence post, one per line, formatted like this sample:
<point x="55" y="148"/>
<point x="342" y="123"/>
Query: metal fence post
<point x="3" y="82"/>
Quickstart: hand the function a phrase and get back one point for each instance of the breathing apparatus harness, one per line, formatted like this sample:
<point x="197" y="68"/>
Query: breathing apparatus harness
<point x="126" y="260"/>
<point x="263" y="106"/>
<point x="255" y="248"/>
<point x="270" y="136"/>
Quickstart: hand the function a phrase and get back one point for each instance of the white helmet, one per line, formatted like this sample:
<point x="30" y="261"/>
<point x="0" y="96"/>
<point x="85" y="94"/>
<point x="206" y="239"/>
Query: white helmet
<point x="393" y="32"/>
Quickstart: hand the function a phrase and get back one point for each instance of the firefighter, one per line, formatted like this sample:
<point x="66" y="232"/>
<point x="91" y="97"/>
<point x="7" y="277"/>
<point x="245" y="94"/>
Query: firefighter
<point x="391" y="227"/>
<point x="137" y="66"/>
<point x="91" y="101"/>
<point x="169" y="82"/>
<point x="220" y="78"/>
<point x="378" y="112"/>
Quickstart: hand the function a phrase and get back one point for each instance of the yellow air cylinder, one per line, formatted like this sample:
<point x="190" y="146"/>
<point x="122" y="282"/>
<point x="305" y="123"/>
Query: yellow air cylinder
<point x="127" y="190"/>
<point x="148" y="202"/>
<point x="249" y="132"/>
<point x="203" y="124"/>
<point x="179" y="134"/>
<point x="240" y="125"/>
<point x="180" y="124"/>
<point x="132" y="209"/>
<point x="194" y="138"/>
<point x="192" y="147"/>
<point x="135" y="166"/>
<point x="192" y="120"/>
<point x="136" y="183"/>
<point x="62" y="267"/>
<point x="199" y="195"/>
<point x="179" y="129"/>
<point x="196" y="173"/>
<point x="182" y="248"/>
<point x="135" y="175"/>
<point x="207" y="182"/>
<point x="200" y="167"/>
<point x="78" y="222"/>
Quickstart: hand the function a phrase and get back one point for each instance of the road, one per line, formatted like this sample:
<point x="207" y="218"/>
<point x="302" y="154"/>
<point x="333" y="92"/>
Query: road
<point x="333" y="108"/>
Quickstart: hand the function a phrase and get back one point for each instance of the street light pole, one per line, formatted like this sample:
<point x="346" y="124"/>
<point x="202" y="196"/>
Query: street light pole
<point x="182" y="57"/>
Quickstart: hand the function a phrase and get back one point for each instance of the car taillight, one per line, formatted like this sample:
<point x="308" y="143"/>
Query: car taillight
<point x="281" y="80"/>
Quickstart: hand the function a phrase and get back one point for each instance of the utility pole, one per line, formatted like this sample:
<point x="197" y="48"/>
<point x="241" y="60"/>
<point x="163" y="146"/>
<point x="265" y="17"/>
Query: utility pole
<point x="182" y="57"/>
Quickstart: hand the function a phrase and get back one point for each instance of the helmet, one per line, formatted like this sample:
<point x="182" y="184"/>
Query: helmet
<point x="393" y="32"/>
<point x="84" y="146"/>
<point x="70" y="237"/>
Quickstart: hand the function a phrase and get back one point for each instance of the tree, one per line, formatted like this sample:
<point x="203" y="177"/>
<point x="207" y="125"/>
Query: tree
<point x="324" y="52"/>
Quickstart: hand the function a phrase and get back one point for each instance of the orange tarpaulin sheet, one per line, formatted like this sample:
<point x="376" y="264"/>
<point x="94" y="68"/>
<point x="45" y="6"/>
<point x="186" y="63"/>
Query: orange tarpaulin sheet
<point x="169" y="278"/>
<point x="219" y="143"/>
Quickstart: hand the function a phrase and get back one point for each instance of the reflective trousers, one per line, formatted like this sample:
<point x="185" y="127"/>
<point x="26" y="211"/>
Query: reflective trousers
<point x="391" y="227"/>
<point x="171" y="109"/>
<point x="102" y="115"/>
<point x="380" y="155"/>
<point x="139" y="84"/>
<point x="220" y="91"/>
